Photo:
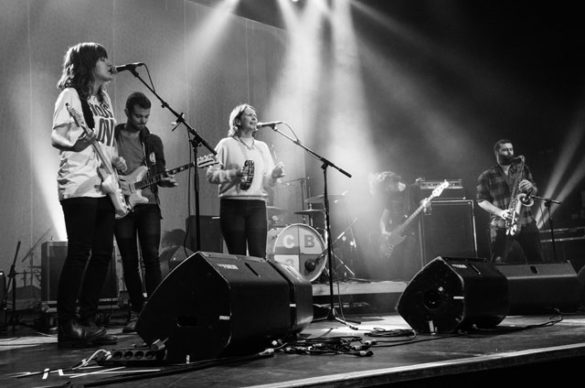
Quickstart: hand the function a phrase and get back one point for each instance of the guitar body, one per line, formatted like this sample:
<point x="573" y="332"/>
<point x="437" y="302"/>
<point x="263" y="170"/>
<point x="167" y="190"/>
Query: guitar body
<point x="397" y="236"/>
<point x="132" y="194"/>
<point x="133" y="183"/>
<point x="111" y="186"/>
<point x="389" y="243"/>
<point x="110" y="183"/>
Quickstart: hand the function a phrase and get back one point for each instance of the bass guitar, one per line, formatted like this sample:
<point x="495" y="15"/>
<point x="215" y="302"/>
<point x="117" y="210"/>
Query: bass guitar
<point x="396" y="237"/>
<point x="132" y="184"/>
<point x="107" y="173"/>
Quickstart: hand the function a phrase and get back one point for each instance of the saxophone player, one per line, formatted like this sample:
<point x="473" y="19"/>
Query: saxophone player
<point x="514" y="236"/>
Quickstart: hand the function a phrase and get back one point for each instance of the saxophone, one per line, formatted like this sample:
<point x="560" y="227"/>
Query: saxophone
<point x="517" y="200"/>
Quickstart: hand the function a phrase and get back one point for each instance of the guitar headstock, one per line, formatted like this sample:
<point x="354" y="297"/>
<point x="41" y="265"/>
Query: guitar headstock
<point x="437" y="191"/>
<point x="206" y="161"/>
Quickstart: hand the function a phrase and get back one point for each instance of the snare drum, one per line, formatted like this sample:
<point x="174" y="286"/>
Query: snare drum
<point x="299" y="246"/>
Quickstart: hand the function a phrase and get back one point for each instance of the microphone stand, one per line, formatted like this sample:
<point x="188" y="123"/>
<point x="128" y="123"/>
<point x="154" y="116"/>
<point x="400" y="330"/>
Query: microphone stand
<point x="548" y="204"/>
<point x="332" y="313"/>
<point x="196" y="141"/>
<point x="12" y="280"/>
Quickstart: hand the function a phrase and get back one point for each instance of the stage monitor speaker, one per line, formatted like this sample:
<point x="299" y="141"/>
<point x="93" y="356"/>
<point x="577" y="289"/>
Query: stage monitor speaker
<point x="214" y="304"/>
<point x="171" y="257"/>
<point x="53" y="255"/>
<point x="448" y="229"/>
<point x="542" y="288"/>
<point x="449" y="294"/>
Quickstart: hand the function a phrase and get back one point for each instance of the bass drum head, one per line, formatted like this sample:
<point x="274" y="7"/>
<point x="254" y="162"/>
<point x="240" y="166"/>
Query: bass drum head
<point x="299" y="246"/>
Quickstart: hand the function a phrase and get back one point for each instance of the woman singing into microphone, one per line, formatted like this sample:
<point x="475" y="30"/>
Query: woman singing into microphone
<point x="245" y="170"/>
<point x="89" y="213"/>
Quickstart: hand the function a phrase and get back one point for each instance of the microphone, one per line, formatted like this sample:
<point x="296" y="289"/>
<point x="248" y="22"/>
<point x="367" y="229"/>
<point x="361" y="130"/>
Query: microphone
<point x="128" y="66"/>
<point x="310" y="264"/>
<point x="519" y="158"/>
<point x="268" y="124"/>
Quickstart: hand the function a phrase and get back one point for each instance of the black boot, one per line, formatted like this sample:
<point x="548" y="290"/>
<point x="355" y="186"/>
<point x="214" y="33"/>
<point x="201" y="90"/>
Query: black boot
<point x="72" y="334"/>
<point x="131" y="324"/>
<point x="91" y="322"/>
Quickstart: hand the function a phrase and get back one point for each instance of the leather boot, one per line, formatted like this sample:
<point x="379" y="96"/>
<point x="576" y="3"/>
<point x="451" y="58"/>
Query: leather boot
<point x="72" y="334"/>
<point x="131" y="324"/>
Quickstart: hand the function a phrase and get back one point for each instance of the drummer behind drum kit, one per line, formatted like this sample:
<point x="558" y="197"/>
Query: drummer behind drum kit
<point x="300" y="245"/>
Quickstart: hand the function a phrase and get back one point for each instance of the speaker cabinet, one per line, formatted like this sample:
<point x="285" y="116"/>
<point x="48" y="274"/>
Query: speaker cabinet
<point x="214" y="304"/>
<point x="448" y="229"/>
<point x="211" y="238"/>
<point x="53" y="255"/>
<point x="449" y="294"/>
<point x="542" y="288"/>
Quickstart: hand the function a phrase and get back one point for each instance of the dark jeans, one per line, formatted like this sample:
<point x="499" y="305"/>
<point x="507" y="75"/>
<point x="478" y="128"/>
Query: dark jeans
<point x="244" y="222"/>
<point x="143" y="223"/>
<point x="523" y="248"/>
<point x="90" y="229"/>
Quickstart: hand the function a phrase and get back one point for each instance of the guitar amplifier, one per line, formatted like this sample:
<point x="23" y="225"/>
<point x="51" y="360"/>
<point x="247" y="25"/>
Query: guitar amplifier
<point x="53" y="254"/>
<point x="448" y="229"/>
<point x="455" y="189"/>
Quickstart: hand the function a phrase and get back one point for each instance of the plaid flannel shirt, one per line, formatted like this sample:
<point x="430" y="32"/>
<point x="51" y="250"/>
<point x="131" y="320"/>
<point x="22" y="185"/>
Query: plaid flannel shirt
<point x="494" y="186"/>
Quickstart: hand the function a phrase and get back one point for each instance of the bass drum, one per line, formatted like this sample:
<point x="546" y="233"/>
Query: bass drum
<point x="299" y="246"/>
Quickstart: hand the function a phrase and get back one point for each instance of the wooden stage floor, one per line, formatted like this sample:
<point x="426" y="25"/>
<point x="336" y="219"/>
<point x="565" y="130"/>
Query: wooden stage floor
<point x="533" y="349"/>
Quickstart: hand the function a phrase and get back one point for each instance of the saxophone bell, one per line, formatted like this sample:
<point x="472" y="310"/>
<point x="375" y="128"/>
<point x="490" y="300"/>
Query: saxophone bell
<point x="526" y="199"/>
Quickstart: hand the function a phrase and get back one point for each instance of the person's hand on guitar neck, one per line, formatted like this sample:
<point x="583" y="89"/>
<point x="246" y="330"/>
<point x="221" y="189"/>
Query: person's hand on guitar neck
<point x="168" y="181"/>
<point x="84" y="141"/>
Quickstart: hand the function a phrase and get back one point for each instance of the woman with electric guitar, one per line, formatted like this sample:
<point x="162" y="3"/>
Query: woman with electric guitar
<point x="88" y="187"/>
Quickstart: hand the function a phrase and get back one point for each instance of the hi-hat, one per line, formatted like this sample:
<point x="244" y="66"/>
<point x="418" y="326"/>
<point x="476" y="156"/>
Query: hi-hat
<point x="319" y="198"/>
<point x="310" y="212"/>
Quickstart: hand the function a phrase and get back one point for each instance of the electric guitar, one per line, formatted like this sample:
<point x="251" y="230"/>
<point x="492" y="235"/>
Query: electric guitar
<point x="107" y="173"/>
<point x="391" y="241"/>
<point x="132" y="184"/>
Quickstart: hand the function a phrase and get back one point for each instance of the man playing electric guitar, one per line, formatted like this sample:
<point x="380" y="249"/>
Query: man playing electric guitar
<point x="140" y="148"/>
<point x="397" y="244"/>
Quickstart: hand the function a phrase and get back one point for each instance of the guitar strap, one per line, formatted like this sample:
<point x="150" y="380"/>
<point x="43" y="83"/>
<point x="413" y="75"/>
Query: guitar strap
<point x="87" y="115"/>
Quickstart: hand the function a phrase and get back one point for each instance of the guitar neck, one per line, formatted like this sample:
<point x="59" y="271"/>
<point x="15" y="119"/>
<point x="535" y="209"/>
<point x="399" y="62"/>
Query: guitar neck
<point x="158" y="177"/>
<point x="414" y="214"/>
<point x="106" y="163"/>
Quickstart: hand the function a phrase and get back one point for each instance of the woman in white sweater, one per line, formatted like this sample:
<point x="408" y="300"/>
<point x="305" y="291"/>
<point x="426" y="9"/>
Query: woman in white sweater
<point x="245" y="170"/>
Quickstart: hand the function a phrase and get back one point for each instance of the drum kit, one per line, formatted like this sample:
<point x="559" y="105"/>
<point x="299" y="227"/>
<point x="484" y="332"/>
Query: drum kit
<point x="300" y="245"/>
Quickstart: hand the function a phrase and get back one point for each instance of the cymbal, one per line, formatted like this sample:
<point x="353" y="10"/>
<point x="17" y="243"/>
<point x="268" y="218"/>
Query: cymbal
<point x="273" y="210"/>
<point x="319" y="198"/>
<point x="310" y="212"/>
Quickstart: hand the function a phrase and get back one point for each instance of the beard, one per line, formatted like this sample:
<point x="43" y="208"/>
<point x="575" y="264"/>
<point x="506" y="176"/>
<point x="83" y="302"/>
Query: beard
<point x="505" y="160"/>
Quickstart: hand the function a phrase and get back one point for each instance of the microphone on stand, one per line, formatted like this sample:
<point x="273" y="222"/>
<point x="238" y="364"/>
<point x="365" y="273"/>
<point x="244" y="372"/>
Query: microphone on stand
<point x="268" y="124"/>
<point x="311" y="264"/>
<point x="128" y="66"/>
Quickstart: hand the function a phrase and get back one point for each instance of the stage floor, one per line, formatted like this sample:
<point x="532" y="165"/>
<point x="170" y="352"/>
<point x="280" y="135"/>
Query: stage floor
<point x="528" y="347"/>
